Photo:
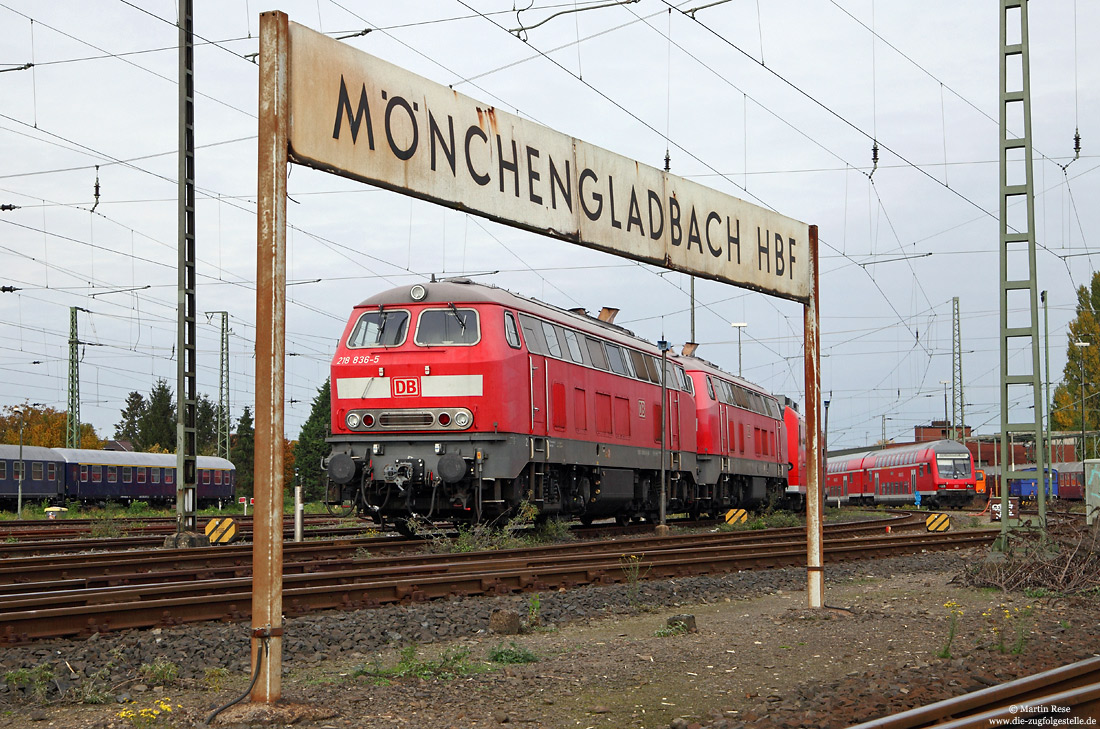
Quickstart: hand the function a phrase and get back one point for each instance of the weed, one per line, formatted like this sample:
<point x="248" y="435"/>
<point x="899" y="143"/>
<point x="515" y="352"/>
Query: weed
<point x="104" y="527"/>
<point x="512" y="654"/>
<point x="631" y="565"/>
<point x="1064" y="624"/>
<point x="451" y="664"/>
<point x="160" y="672"/>
<point x="954" y="612"/>
<point x="215" y="676"/>
<point x="1036" y="592"/>
<point x="36" y="680"/>
<point x="138" y="507"/>
<point x="670" y="630"/>
<point x="534" y="608"/>
<point x="146" y="717"/>
<point x="1003" y="622"/>
<point x="93" y="689"/>
<point x="362" y="553"/>
<point x="552" y="531"/>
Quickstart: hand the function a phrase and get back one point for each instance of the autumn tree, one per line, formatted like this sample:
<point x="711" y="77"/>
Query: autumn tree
<point x="312" y="447"/>
<point x="42" y="426"/>
<point x="1082" y="371"/>
<point x="242" y="452"/>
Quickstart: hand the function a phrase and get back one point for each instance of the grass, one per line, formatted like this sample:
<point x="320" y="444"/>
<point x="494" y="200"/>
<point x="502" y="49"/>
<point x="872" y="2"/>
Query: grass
<point x="670" y="630"/>
<point x="453" y="663"/>
<point x="512" y="654"/>
<point x="35" y="680"/>
<point x="161" y="671"/>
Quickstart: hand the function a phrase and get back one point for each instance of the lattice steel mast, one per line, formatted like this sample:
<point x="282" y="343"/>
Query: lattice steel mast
<point x="1017" y="263"/>
<point x="958" y="412"/>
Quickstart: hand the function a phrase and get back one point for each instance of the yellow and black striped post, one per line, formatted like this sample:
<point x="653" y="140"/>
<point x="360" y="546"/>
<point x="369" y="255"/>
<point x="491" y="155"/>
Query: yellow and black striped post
<point x="938" y="522"/>
<point x="737" y="516"/>
<point x="221" y="531"/>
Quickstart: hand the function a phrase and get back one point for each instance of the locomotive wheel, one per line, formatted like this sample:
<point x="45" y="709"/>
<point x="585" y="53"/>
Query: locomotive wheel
<point x="586" y="519"/>
<point x="335" y="504"/>
<point x="622" y="519"/>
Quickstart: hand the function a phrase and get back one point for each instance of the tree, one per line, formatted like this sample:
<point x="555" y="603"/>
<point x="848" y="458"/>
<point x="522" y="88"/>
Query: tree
<point x="42" y="426"/>
<point x="1082" y="365"/>
<point x="158" y="423"/>
<point x="311" y="447"/>
<point x="242" y="453"/>
<point x="206" y="426"/>
<point x="129" y="428"/>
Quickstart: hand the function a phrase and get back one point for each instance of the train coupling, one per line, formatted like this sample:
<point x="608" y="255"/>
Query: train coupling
<point x="402" y="472"/>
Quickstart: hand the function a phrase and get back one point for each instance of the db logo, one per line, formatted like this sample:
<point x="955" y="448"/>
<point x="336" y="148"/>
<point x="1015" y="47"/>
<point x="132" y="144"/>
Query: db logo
<point x="406" y="387"/>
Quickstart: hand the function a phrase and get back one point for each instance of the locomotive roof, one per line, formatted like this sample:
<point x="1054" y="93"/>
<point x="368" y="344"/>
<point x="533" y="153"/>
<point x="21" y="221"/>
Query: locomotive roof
<point x="702" y="365"/>
<point x="464" y="291"/>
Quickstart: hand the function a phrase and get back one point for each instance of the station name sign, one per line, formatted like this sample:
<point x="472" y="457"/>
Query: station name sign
<point x="360" y="117"/>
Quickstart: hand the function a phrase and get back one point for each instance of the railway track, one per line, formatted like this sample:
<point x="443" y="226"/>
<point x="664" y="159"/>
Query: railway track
<point x="30" y="611"/>
<point x="1048" y="698"/>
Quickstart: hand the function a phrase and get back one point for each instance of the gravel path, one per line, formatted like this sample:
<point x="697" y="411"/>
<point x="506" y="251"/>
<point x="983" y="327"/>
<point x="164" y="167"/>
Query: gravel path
<point x="759" y="658"/>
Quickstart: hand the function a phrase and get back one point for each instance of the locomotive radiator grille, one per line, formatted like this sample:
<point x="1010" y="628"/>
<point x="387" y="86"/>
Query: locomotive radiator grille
<point x="406" y="420"/>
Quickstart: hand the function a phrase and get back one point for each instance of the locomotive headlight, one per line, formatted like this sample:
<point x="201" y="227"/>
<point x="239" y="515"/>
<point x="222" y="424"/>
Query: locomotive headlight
<point x="418" y="292"/>
<point x="462" y="419"/>
<point x="352" y="421"/>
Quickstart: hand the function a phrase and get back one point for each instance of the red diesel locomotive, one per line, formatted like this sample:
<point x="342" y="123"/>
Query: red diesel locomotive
<point x="458" y="401"/>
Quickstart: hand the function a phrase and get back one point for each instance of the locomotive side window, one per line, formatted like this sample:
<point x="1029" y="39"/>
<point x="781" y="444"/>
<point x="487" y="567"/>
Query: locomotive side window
<point x="741" y="396"/>
<point x="616" y="360"/>
<point x="685" y="381"/>
<point x="379" y="329"/>
<point x="596" y="353"/>
<point x="710" y="387"/>
<point x="638" y="360"/>
<point x="574" y="346"/>
<point x="511" y="330"/>
<point x="448" y="326"/>
<point x="552" y="344"/>
<point x="532" y="332"/>
<point x="654" y="368"/>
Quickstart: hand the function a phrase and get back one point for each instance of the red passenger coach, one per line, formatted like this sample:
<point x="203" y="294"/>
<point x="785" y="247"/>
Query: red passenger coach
<point x="455" y="400"/>
<point x="942" y="472"/>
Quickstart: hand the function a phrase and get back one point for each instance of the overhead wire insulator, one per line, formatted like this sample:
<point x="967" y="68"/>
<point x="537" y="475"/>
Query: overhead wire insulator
<point x="96" y="189"/>
<point x="874" y="158"/>
<point x="1076" y="144"/>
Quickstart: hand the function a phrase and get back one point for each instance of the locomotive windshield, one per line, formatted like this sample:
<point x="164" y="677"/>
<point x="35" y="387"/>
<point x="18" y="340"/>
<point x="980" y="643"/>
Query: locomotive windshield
<point x="379" y="329"/>
<point x="953" y="466"/>
<point x="448" y="326"/>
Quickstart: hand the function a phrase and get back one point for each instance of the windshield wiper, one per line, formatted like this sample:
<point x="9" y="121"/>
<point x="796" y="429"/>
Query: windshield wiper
<point x="454" y="311"/>
<point x="384" y="315"/>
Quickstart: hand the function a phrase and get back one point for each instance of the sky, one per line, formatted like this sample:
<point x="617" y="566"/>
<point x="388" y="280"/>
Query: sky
<point x="778" y="103"/>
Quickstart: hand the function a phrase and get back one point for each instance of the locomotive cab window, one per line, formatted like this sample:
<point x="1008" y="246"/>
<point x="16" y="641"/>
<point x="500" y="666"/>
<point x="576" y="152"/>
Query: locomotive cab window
<point x="685" y="381"/>
<point x="511" y="330"/>
<point x="532" y="333"/>
<point x="451" y="326"/>
<point x="383" y="328"/>
<point x="710" y="387"/>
